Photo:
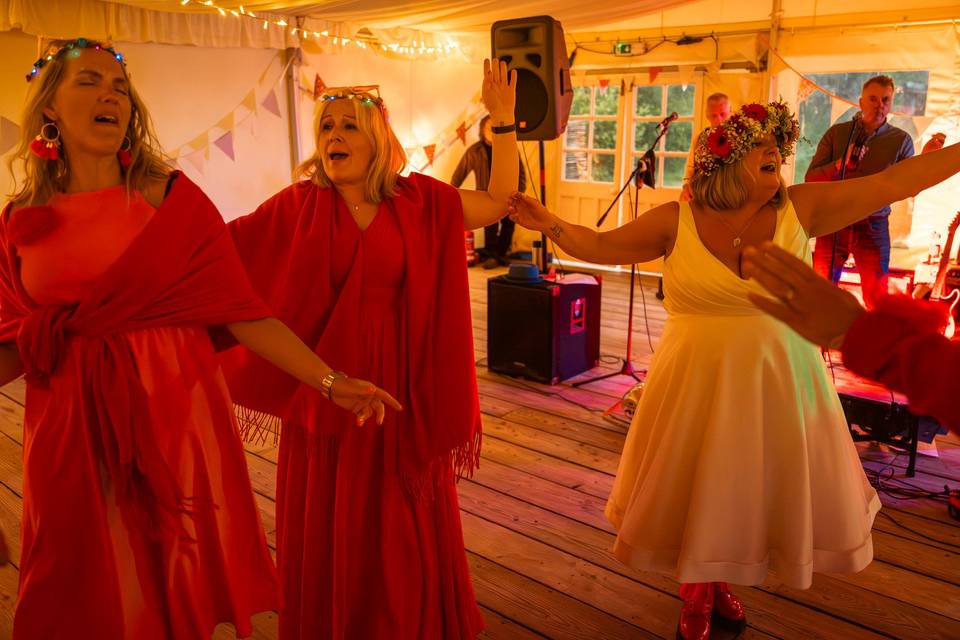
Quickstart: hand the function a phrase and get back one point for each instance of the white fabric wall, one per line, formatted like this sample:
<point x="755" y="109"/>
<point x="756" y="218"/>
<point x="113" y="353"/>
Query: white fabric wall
<point x="188" y="90"/>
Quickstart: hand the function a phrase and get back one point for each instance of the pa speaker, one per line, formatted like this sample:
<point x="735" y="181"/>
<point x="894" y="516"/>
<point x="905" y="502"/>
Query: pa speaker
<point x="536" y="49"/>
<point x="543" y="331"/>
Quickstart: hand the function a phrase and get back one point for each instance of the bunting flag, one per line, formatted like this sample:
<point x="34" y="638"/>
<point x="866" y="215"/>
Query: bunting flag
<point x="653" y="73"/>
<point x="197" y="159"/>
<point x="250" y="101"/>
<point x="806" y="90"/>
<point x="430" y="150"/>
<point x="604" y="83"/>
<point x="225" y="144"/>
<point x="9" y="134"/>
<point x="200" y="142"/>
<point x="270" y="103"/>
<point x="462" y="132"/>
<point x="318" y="86"/>
<point x="226" y="122"/>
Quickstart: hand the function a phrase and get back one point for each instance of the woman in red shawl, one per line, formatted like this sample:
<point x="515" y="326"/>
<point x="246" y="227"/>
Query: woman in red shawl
<point x="368" y="524"/>
<point x="138" y="518"/>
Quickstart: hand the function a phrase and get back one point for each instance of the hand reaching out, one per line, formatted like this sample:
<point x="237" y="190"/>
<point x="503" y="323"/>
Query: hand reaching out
<point x="816" y="309"/>
<point x="364" y="399"/>
<point x="499" y="91"/>
<point x="528" y="212"/>
<point x="935" y="143"/>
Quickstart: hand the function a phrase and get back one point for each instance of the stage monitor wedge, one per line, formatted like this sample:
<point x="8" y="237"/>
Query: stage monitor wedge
<point x="536" y="49"/>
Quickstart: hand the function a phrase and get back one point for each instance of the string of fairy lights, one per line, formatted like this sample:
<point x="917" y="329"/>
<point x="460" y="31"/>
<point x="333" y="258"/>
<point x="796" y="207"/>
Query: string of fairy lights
<point x="362" y="40"/>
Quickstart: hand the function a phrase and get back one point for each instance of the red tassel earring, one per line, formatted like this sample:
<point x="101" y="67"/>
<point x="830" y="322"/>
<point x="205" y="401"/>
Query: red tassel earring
<point x="47" y="143"/>
<point x="124" y="155"/>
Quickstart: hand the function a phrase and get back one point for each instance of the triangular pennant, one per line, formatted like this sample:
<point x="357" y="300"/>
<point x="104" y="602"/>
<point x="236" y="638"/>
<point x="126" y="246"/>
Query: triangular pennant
<point x="226" y="123"/>
<point x="200" y="142"/>
<point x="270" y="103"/>
<point x="653" y="73"/>
<point x="250" y="101"/>
<point x="318" y="86"/>
<point x="9" y="134"/>
<point x="225" y="144"/>
<point x="837" y="109"/>
<point x="195" y="160"/>
<point x="805" y="91"/>
<point x="604" y="83"/>
<point x="462" y="132"/>
<point x="429" y="150"/>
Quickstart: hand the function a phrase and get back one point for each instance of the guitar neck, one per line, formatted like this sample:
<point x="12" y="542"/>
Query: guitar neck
<point x="940" y="282"/>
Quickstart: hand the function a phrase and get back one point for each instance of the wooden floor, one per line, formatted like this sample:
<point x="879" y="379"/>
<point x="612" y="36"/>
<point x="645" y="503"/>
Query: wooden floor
<point x="539" y="546"/>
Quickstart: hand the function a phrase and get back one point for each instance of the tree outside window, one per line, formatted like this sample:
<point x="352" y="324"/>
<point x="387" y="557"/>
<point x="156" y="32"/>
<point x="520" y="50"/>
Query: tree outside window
<point x="590" y="141"/>
<point x="651" y="105"/>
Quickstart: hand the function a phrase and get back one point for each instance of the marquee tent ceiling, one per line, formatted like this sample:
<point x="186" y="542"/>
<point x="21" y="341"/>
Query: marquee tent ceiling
<point x="474" y="16"/>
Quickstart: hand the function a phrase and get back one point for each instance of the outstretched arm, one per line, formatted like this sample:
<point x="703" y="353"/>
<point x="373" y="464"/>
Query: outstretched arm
<point x="482" y="208"/>
<point x="272" y="340"/>
<point x="826" y="207"/>
<point x="647" y="238"/>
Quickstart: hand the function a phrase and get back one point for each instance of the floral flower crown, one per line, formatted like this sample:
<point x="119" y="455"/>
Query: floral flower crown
<point x="728" y="142"/>
<point x="72" y="47"/>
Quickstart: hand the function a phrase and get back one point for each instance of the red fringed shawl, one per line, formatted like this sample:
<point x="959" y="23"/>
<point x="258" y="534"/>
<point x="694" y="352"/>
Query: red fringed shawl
<point x="285" y="246"/>
<point x="182" y="269"/>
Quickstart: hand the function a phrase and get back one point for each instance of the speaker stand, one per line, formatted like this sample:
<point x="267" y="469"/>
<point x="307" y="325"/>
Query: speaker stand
<point x="542" y="260"/>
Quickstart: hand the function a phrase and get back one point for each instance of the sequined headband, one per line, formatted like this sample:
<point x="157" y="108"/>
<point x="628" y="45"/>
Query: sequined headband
<point x="72" y="48"/>
<point x="728" y="142"/>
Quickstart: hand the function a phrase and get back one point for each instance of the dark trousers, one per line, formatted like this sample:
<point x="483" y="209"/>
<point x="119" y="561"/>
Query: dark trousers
<point x="869" y="242"/>
<point x="497" y="238"/>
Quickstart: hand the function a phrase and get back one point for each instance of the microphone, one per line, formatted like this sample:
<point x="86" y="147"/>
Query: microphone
<point x="670" y="118"/>
<point x="859" y="140"/>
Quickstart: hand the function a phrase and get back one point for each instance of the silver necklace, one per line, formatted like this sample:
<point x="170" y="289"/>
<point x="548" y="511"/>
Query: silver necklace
<point x="737" y="234"/>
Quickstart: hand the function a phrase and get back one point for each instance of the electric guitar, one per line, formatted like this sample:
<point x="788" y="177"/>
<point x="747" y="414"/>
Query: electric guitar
<point x="936" y="292"/>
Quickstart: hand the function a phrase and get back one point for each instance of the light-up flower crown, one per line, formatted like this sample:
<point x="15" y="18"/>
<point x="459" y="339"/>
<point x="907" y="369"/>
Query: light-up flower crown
<point x="363" y="94"/>
<point x="728" y="142"/>
<point x="72" y="47"/>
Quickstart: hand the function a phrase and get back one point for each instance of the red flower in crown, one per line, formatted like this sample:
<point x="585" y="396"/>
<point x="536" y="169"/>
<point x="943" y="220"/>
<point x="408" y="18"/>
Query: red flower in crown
<point x="756" y="111"/>
<point x="719" y="142"/>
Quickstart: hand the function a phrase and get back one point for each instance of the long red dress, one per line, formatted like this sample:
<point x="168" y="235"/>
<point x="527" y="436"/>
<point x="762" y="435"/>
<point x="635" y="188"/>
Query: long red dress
<point x="85" y="571"/>
<point x="361" y="555"/>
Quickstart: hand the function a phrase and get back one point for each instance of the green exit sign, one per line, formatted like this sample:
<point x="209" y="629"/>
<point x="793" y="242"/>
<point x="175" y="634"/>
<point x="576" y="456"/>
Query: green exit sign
<point x="622" y="49"/>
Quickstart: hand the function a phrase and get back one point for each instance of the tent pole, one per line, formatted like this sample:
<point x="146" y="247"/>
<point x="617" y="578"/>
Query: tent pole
<point x="293" y="105"/>
<point x="769" y="79"/>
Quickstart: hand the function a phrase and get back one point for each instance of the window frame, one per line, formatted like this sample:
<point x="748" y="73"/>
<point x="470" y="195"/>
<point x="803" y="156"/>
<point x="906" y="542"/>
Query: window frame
<point x="590" y="150"/>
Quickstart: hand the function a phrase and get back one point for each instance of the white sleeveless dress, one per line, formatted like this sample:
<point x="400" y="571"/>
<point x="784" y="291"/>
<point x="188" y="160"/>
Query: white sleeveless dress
<point x="739" y="464"/>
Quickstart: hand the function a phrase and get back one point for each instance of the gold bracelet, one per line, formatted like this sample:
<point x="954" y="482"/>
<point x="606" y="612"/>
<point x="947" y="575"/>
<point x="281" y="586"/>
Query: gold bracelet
<point x="326" y="384"/>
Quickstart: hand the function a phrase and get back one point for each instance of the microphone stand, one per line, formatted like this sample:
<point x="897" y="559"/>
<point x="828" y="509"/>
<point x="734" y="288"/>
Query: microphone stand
<point x="627" y="368"/>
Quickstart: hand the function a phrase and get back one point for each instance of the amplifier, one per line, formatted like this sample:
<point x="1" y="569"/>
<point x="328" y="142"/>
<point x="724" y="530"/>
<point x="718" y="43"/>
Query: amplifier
<point x="543" y="331"/>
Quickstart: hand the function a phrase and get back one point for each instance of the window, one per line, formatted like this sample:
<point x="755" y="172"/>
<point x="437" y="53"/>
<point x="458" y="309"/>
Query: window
<point x="590" y="142"/>
<point x="651" y="105"/>
<point x="815" y="111"/>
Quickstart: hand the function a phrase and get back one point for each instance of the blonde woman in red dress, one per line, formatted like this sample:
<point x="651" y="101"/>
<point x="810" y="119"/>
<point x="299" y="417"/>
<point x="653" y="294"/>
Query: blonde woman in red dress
<point x="138" y="516"/>
<point x="369" y="543"/>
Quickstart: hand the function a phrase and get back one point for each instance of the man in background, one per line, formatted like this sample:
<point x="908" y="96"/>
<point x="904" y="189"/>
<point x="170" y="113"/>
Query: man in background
<point x="869" y="144"/>
<point x="718" y="110"/>
<point x="498" y="236"/>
